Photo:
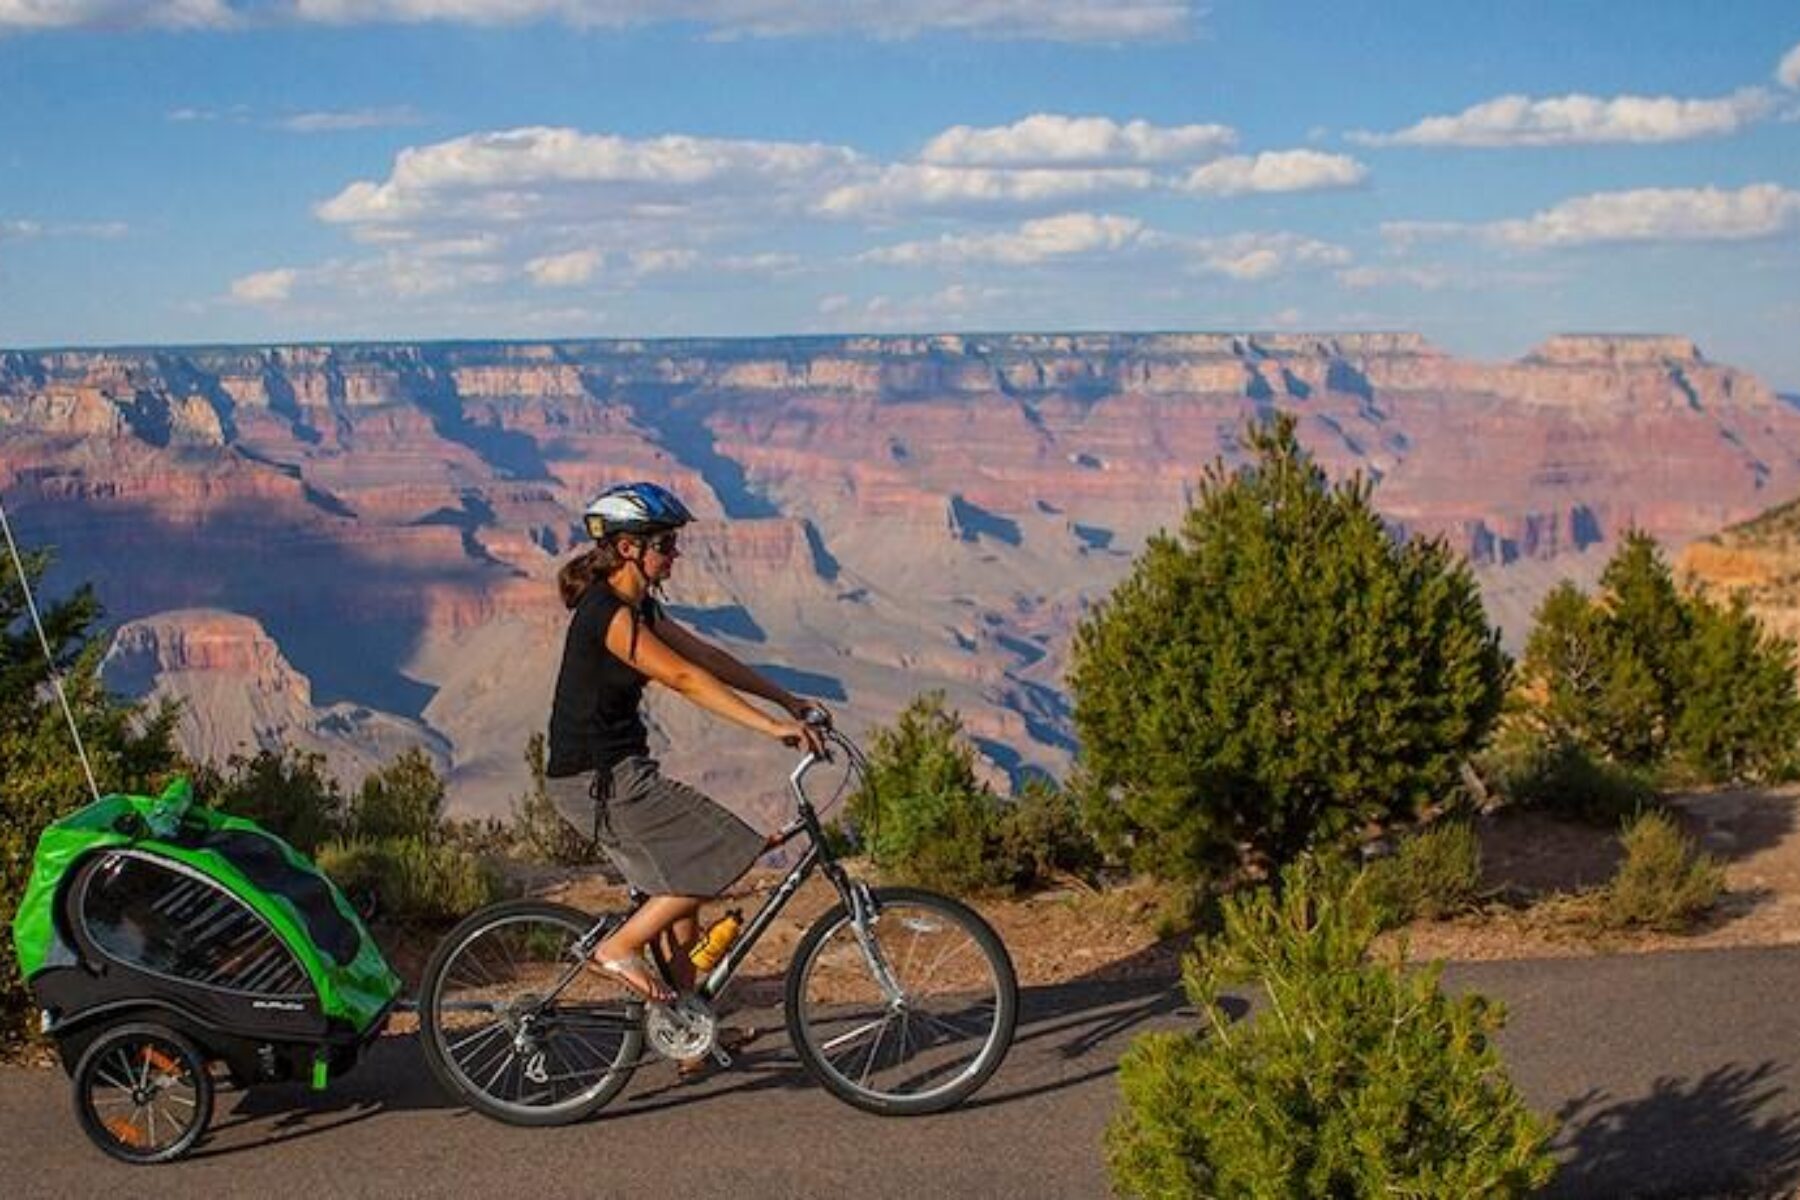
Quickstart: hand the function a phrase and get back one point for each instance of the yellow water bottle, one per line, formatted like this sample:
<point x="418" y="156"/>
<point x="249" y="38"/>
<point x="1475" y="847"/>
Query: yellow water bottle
<point x="719" y="935"/>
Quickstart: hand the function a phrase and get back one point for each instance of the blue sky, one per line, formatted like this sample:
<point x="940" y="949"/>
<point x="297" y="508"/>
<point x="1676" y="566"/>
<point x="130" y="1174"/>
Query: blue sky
<point x="183" y="171"/>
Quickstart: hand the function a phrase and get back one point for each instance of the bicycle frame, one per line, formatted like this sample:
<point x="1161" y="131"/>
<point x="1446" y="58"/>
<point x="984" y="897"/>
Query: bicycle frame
<point x="818" y="857"/>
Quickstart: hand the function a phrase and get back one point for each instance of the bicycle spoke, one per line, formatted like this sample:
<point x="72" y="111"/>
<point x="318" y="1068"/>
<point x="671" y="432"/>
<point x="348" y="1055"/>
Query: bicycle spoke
<point x="517" y="1025"/>
<point x="479" y="1033"/>
<point x="947" y="1029"/>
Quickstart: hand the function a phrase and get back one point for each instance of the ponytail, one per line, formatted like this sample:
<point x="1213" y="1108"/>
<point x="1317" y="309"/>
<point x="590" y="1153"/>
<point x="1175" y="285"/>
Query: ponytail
<point x="585" y="570"/>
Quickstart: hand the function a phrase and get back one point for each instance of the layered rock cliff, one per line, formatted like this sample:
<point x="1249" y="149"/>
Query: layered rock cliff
<point x="881" y="515"/>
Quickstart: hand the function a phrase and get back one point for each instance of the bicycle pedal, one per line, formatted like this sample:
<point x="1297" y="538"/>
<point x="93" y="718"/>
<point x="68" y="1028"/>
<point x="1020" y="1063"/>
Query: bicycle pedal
<point x="722" y="1057"/>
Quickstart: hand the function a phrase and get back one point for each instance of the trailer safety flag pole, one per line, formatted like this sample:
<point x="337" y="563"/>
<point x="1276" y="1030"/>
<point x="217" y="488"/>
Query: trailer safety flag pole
<point x="49" y="658"/>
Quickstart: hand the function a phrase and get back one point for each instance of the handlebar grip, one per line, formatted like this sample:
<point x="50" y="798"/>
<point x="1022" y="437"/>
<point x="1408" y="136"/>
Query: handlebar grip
<point x="816" y="716"/>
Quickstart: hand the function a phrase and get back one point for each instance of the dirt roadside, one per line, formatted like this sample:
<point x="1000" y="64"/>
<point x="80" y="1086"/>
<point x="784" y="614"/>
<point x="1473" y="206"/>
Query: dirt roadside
<point x="1755" y="835"/>
<point x="1074" y="932"/>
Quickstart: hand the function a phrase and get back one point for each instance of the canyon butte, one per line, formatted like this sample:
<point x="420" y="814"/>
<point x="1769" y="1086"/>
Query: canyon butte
<point x="352" y="548"/>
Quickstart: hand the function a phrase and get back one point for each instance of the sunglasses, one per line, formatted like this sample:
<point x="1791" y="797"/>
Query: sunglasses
<point x="664" y="545"/>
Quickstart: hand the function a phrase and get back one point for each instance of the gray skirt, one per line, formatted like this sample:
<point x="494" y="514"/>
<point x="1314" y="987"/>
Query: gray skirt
<point x="665" y="837"/>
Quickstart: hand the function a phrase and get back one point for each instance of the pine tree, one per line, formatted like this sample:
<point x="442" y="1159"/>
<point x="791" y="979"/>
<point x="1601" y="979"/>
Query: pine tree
<point x="1565" y="668"/>
<point x="1740" y="713"/>
<point x="131" y="747"/>
<point x="1279" y="674"/>
<point x="404" y="799"/>
<point x="923" y="813"/>
<point x="288" y="791"/>
<point x="1656" y="679"/>
<point x="1648" y="623"/>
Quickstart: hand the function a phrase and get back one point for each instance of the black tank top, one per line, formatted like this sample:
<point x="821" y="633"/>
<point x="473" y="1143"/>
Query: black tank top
<point x="594" y="721"/>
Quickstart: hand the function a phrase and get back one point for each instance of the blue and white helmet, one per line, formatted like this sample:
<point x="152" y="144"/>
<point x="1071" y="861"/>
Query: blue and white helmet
<point x="634" y="508"/>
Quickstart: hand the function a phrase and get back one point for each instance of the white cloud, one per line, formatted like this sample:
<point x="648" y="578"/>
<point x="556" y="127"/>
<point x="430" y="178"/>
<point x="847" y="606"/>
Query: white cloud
<point x="265" y="287"/>
<point x="1043" y="20"/>
<point x="1276" y="171"/>
<point x="766" y="263"/>
<point x="1067" y="236"/>
<point x="1249" y="257"/>
<point x="565" y="270"/>
<point x="521" y="174"/>
<point x="349" y="119"/>
<point x="1405" y="234"/>
<point x="396" y="275"/>
<point x="1657" y="215"/>
<point x="663" y="260"/>
<point x="1788" y="73"/>
<point x="1049" y="140"/>
<point x="22" y="228"/>
<point x="1427" y="279"/>
<point x="956" y="306"/>
<point x="1577" y="120"/>
<point x="1433" y="277"/>
<point x="116" y="14"/>
<point x="913" y="187"/>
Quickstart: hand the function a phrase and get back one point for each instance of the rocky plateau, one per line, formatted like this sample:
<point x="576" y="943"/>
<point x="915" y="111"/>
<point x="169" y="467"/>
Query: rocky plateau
<point x="352" y="548"/>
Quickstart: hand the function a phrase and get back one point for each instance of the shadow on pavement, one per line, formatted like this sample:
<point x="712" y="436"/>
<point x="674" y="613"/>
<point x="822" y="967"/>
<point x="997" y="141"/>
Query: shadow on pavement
<point x="392" y="1077"/>
<point x="1087" y="1017"/>
<point x="1708" y="1136"/>
<point x="1085" y="1020"/>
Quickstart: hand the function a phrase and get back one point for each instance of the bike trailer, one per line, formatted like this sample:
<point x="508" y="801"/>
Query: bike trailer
<point x="158" y="937"/>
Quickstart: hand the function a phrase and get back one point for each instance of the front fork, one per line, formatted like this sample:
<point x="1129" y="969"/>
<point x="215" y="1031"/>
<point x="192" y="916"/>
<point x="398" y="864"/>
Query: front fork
<point x="863" y="913"/>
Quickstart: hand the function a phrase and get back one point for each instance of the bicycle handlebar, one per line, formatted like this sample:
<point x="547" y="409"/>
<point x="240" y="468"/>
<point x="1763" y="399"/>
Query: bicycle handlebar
<point x="821" y="720"/>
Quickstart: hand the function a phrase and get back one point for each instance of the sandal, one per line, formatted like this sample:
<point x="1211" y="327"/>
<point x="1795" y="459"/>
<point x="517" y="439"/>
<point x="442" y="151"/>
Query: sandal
<point x="634" y="977"/>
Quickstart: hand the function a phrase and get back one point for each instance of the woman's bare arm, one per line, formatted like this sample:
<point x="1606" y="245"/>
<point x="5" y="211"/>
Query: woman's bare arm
<point x="727" y="669"/>
<point x="692" y="681"/>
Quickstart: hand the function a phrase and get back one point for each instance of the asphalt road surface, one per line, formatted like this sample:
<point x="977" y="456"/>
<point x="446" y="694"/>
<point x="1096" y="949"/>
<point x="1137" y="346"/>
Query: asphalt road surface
<point x="1672" y="1074"/>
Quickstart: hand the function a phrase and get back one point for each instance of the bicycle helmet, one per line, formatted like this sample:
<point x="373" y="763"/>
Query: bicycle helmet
<point x="634" y="508"/>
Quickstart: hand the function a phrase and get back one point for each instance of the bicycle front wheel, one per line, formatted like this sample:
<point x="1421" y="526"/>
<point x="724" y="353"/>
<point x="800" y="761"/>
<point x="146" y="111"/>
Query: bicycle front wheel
<point x="911" y="1018"/>
<point x="513" y="1024"/>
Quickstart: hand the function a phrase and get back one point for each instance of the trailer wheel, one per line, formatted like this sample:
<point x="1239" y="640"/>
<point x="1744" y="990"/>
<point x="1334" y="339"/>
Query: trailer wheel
<point x="143" y="1094"/>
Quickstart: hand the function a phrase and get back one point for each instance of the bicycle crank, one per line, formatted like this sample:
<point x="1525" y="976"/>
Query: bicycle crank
<point x="687" y="1028"/>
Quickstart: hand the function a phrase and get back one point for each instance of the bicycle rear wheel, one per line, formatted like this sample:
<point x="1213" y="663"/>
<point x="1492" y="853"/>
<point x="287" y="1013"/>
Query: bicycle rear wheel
<point x="926" y="1036"/>
<point x="513" y="1025"/>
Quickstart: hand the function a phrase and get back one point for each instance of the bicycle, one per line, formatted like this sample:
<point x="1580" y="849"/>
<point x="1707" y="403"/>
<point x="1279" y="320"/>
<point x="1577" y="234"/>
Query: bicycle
<point x="510" y="1022"/>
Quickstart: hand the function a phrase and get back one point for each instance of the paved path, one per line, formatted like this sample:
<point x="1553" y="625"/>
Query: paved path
<point x="1675" y="1075"/>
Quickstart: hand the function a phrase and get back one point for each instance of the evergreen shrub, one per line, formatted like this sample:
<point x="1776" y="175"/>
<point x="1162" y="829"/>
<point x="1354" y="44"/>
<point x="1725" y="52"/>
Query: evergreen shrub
<point x="1560" y="775"/>
<point x="1660" y="680"/>
<point x="925" y="816"/>
<point x="1279" y="674"/>
<point x="1041" y="835"/>
<point x="286" y="791"/>
<point x="412" y="878"/>
<point x="1435" y="873"/>
<point x="404" y="799"/>
<point x="1355" y="1078"/>
<point x="537" y="832"/>
<point x="1664" y="883"/>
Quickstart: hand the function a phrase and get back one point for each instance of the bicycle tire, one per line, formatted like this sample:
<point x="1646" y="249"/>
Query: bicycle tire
<point x="832" y="936"/>
<point x="621" y="1017"/>
<point x="127" y="1129"/>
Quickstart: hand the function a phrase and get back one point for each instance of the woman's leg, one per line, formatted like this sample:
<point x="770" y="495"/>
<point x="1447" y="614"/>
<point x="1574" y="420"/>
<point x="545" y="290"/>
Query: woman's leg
<point x="676" y="943"/>
<point x="627" y="942"/>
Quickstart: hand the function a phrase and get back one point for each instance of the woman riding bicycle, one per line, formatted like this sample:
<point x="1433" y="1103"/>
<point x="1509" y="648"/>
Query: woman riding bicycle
<point x="666" y="838"/>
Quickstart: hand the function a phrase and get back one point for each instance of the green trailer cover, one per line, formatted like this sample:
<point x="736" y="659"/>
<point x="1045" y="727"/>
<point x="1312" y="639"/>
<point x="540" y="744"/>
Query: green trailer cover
<point x="355" y="991"/>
